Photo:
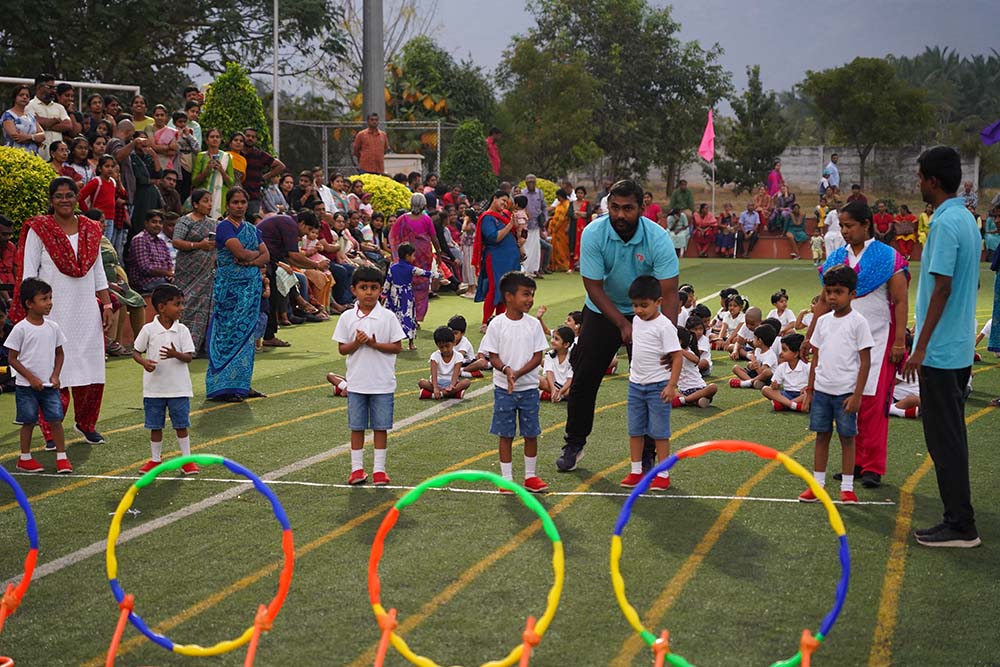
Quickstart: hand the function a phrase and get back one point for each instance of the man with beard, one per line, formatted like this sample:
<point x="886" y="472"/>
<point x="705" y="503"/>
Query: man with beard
<point x="51" y="115"/>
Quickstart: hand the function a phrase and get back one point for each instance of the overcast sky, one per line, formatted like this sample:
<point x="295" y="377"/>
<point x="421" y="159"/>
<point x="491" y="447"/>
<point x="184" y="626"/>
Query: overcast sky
<point x="785" y="37"/>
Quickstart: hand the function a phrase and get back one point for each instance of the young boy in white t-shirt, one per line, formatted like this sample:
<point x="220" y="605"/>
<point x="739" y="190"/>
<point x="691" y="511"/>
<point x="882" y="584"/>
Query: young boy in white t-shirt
<point x="166" y="384"/>
<point x="514" y="343"/>
<point x="557" y="371"/>
<point x="742" y="346"/>
<point x="473" y="365"/>
<point x="763" y="361"/>
<point x="651" y="386"/>
<point x="371" y="337"/>
<point x="790" y="377"/>
<point x="446" y="369"/>
<point x="35" y="354"/>
<point x="842" y="343"/>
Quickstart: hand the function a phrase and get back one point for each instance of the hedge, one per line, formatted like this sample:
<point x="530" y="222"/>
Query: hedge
<point x="24" y="185"/>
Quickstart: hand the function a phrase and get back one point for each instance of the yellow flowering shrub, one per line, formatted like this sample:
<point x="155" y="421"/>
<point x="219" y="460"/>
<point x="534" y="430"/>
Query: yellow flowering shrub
<point x="24" y="185"/>
<point x="388" y="196"/>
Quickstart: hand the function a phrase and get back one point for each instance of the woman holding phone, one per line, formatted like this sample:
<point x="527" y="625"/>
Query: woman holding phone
<point x="213" y="171"/>
<point x="194" y="268"/>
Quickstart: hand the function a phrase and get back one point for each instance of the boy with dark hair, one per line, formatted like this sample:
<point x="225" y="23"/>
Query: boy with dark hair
<point x="446" y="369"/>
<point x="514" y="343"/>
<point x="762" y="361"/>
<point x="166" y="384"/>
<point x="473" y="365"/>
<point x="789" y="378"/>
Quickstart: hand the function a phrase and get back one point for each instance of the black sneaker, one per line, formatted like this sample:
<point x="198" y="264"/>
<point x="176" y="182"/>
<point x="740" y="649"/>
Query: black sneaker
<point x="924" y="532"/>
<point x="871" y="480"/>
<point x="949" y="537"/>
<point x="50" y="445"/>
<point x="569" y="459"/>
<point x="92" y="437"/>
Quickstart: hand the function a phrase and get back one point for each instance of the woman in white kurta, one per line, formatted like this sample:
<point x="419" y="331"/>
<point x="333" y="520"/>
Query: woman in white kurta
<point x="63" y="249"/>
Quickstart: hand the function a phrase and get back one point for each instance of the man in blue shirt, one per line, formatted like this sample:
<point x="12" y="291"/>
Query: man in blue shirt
<point x="945" y="342"/>
<point x="615" y="249"/>
<point x="834" y="173"/>
<point x="746" y="234"/>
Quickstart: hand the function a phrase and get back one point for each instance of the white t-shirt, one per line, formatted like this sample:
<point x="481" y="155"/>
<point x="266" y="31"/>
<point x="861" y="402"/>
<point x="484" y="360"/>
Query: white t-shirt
<point x="51" y="110"/>
<point x="682" y="316"/>
<point x="987" y="329"/>
<point x="732" y="323"/>
<point x="445" y="368"/>
<point x="690" y="377"/>
<point x="785" y="318"/>
<point x="515" y="342"/>
<point x="36" y="348"/>
<point x="465" y="349"/>
<point x="807" y="319"/>
<point x="904" y="389"/>
<point x="792" y="380"/>
<point x="705" y="347"/>
<point x="561" y="372"/>
<point x="170" y="378"/>
<point x="368" y="370"/>
<point x="767" y="358"/>
<point x="651" y="340"/>
<point x="839" y="340"/>
<point x="746" y="333"/>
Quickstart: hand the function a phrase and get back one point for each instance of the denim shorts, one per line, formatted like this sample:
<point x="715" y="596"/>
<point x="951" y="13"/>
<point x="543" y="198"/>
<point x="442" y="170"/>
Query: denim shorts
<point x="827" y="409"/>
<point x="790" y="395"/>
<point x="513" y="410"/>
<point x="156" y="412"/>
<point x="29" y="402"/>
<point x="647" y="413"/>
<point x="369" y="411"/>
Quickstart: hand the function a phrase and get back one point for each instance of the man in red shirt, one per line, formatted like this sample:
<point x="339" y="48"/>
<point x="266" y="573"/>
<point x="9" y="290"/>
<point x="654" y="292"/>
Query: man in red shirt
<point x="370" y="147"/>
<point x="493" y="150"/>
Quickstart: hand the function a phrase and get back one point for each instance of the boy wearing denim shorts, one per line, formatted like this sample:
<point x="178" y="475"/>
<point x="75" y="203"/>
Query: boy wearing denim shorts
<point x="652" y="386"/>
<point x="35" y="353"/>
<point x="166" y="384"/>
<point x="371" y="337"/>
<point x="514" y="343"/>
<point x="841" y="342"/>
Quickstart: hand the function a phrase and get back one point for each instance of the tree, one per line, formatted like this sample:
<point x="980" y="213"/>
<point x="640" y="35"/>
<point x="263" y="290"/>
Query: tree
<point x="429" y="68"/>
<point x="24" y="185"/>
<point x="232" y="104"/>
<point x="866" y="104"/>
<point x="466" y="162"/>
<point x="757" y="138"/>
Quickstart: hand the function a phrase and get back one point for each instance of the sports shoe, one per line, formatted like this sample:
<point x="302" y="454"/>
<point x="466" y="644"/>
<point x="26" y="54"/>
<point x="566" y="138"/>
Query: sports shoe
<point x="924" y="532"/>
<point x="50" y="445"/>
<point x="871" y="480"/>
<point x="848" y="498"/>
<point x="660" y="483"/>
<point x="808" y="496"/>
<point x="676" y="403"/>
<point x="92" y="437"/>
<point x="358" y="476"/>
<point x="545" y="396"/>
<point x="337" y="391"/>
<point x="477" y="374"/>
<point x="148" y="465"/>
<point x="778" y="407"/>
<point x="63" y="466"/>
<point x="977" y="357"/>
<point x="425" y="395"/>
<point x="458" y="395"/>
<point x="704" y="402"/>
<point x="190" y="469"/>
<point x="950" y="537"/>
<point x="631" y="480"/>
<point x="734" y="383"/>
<point x="31" y="465"/>
<point x="380" y="479"/>
<point x="535" y="485"/>
<point x="569" y="459"/>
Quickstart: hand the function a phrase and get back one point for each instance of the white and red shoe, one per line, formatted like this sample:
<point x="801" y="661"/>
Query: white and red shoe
<point x="808" y="496"/>
<point x="190" y="469"/>
<point x="425" y="395"/>
<point x="380" y="479"/>
<point x="660" y="483"/>
<point x="535" y="485"/>
<point x="476" y="374"/>
<point x="778" y="407"/>
<point x="734" y="383"/>
<point x="848" y="498"/>
<point x="545" y="396"/>
<point x="63" y="466"/>
<point x="631" y="480"/>
<point x="148" y="465"/>
<point x="358" y="476"/>
<point x="31" y="465"/>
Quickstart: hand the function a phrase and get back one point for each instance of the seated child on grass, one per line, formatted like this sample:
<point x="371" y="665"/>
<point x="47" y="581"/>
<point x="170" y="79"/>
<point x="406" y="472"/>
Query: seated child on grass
<point x="805" y="317"/>
<point x="697" y="328"/>
<point x="473" y="365"/>
<point x="790" y="377"/>
<point x="446" y="369"/>
<point x="685" y="303"/>
<point x="693" y="390"/>
<point x="763" y="361"/>
<point x="715" y="328"/>
<point x="557" y="373"/>
<point x="781" y="312"/>
<point x="741" y="342"/>
<point x="984" y="333"/>
<point x="776" y="325"/>
<point x="905" y="398"/>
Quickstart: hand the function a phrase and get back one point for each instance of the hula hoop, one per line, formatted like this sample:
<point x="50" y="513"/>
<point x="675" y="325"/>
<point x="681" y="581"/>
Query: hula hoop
<point x="287" y="547"/>
<point x="618" y="582"/>
<point x="13" y="595"/>
<point x="378" y="547"/>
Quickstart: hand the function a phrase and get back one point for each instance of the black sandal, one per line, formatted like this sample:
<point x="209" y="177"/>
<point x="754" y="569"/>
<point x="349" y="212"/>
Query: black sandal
<point x="253" y="393"/>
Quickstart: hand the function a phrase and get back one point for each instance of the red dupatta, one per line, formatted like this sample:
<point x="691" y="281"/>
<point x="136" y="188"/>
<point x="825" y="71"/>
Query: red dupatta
<point x="73" y="264"/>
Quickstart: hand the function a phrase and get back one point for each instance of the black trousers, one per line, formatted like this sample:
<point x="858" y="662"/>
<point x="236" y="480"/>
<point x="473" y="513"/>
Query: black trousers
<point x="598" y="343"/>
<point x="942" y="403"/>
<point x="744" y="242"/>
<point x="278" y="303"/>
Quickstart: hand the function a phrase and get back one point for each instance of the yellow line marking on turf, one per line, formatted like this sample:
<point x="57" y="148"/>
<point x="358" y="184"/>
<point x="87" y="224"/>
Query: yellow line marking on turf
<point x="666" y="599"/>
<point x="888" y="606"/>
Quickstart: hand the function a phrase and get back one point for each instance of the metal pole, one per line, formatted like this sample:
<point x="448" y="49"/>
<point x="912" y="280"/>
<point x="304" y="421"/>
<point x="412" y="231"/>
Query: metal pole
<point x="437" y="165"/>
<point x="326" y="154"/>
<point x="276" y="128"/>
<point x="713" y="186"/>
<point x="373" y="50"/>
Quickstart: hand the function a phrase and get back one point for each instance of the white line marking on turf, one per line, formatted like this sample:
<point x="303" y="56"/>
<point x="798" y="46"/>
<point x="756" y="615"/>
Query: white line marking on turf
<point x="454" y="489"/>
<point x="97" y="548"/>
<point x="742" y="283"/>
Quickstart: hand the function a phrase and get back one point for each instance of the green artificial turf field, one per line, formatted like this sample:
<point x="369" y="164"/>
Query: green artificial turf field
<point x="735" y="580"/>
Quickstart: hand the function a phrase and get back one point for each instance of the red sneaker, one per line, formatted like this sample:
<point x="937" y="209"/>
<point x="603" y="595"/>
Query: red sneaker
<point x="476" y="374"/>
<point x="358" y="476"/>
<point x="190" y="469"/>
<point x="660" y="483"/>
<point x="848" y="498"/>
<point x="380" y="479"/>
<point x="459" y="394"/>
<point x="734" y="383"/>
<point x="778" y="407"/>
<point x="63" y="466"/>
<point x="977" y="357"/>
<point x="535" y="485"/>
<point x="631" y="480"/>
<point x="424" y="395"/>
<point x="612" y="369"/>
<point x="337" y="391"/>
<point x="148" y="465"/>
<point x="808" y="496"/>
<point x="545" y="396"/>
<point x="31" y="465"/>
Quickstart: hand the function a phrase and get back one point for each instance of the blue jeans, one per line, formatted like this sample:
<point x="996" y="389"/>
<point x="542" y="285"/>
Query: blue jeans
<point x="513" y="410"/>
<point x="29" y="402"/>
<point x="827" y="409"/>
<point x="647" y="413"/>
<point x="342" y="276"/>
<point x="156" y="412"/>
<point x="369" y="411"/>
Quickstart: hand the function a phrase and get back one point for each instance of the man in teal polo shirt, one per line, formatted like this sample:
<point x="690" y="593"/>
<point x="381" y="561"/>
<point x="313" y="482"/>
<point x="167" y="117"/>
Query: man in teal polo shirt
<point x="945" y="342"/>
<point x="615" y="249"/>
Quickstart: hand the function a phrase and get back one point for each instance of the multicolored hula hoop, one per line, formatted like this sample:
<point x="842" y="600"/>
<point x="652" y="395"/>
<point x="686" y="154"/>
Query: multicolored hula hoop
<point x="287" y="546"/>
<point x="378" y="546"/>
<point x="809" y="643"/>
<point x="13" y="595"/>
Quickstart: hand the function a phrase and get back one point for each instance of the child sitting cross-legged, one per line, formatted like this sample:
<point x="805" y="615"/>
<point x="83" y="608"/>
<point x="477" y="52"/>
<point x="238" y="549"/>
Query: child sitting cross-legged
<point x="446" y="369"/>
<point x="790" y="377"/>
<point x="473" y="365"/>
<point x="741" y="343"/>
<point x="729" y="320"/>
<point x="905" y="398"/>
<point x="557" y="372"/>
<point x="693" y="390"/>
<point x="763" y="361"/>
<point x="696" y="326"/>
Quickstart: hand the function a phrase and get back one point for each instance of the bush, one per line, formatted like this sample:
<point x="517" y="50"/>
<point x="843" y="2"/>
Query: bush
<point x="547" y="187"/>
<point x="232" y="104"/>
<point x="466" y="162"/>
<point x="388" y="196"/>
<point x="24" y="185"/>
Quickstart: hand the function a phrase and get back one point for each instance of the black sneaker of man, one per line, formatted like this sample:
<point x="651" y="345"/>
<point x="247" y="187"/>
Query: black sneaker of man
<point x="950" y="537"/>
<point x="50" y="445"/>
<point x="92" y="437"/>
<point x="569" y="459"/>
<point x="923" y="532"/>
<point x="871" y="480"/>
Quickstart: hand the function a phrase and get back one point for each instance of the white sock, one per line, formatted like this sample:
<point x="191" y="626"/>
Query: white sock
<point x="665" y="474"/>
<point x="530" y="466"/>
<point x="746" y="384"/>
<point x="61" y="456"/>
<point x="379" y="465"/>
<point x="796" y="407"/>
<point x="820" y="477"/>
<point x="682" y="400"/>
<point x="156" y="450"/>
<point x="847" y="483"/>
<point x="26" y="457"/>
<point x="185" y="445"/>
<point x="342" y="386"/>
<point x="507" y="470"/>
<point x="357" y="459"/>
<point x="896" y="412"/>
<point x="636" y="467"/>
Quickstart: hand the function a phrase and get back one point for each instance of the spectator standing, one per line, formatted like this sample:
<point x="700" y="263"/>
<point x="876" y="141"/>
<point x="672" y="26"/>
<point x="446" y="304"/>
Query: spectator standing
<point x="66" y="96"/>
<point x="20" y="129"/>
<point x="536" y="210"/>
<point x="832" y="172"/>
<point x="682" y="199"/>
<point x="213" y="170"/>
<point x="370" y="147"/>
<point x="168" y="192"/>
<point x="261" y="168"/>
<point x="194" y="269"/>
<point x="49" y="114"/>
<point x="775" y="180"/>
<point x="493" y="150"/>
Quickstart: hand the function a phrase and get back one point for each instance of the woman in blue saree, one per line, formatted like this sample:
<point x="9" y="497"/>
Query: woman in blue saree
<point x="237" y="303"/>
<point x="495" y="253"/>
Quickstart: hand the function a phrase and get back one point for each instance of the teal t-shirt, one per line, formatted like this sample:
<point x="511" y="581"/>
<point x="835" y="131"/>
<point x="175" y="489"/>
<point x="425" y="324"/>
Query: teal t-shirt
<point x="953" y="248"/>
<point x="604" y="256"/>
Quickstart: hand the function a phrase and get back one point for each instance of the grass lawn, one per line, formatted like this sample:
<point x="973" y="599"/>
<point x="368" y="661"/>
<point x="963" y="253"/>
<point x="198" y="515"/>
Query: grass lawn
<point x="735" y="580"/>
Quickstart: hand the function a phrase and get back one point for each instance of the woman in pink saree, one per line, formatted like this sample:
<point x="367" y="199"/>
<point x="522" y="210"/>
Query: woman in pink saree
<point x="417" y="229"/>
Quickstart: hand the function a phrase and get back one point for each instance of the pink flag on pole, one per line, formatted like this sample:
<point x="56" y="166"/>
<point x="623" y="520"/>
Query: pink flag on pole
<point x="707" y="148"/>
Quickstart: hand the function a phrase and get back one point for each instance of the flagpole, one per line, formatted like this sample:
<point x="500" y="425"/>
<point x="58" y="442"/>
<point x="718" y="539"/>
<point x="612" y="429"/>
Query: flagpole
<point x="713" y="186"/>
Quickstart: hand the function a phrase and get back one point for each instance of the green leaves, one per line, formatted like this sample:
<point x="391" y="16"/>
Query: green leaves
<point x="232" y="105"/>
<point x="466" y="162"/>
<point x="24" y="185"/>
